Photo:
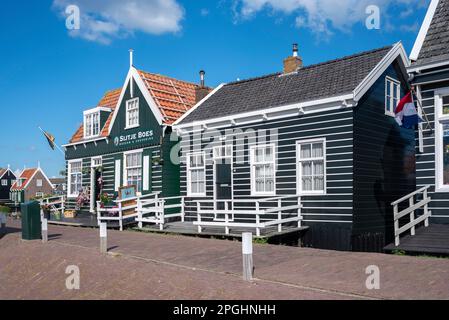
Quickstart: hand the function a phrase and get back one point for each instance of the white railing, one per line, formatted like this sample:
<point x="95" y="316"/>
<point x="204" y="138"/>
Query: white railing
<point x="154" y="210"/>
<point x="56" y="203"/>
<point x="257" y="217"/>
<point x="424" y="203"/>
<point x="116" y="213"/>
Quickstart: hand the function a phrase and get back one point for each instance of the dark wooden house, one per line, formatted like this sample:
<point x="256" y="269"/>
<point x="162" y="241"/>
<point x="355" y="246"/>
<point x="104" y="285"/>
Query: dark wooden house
<point x="323" y="133"/>
<point x="7" y="179"/>
<point x="127" y="138"/>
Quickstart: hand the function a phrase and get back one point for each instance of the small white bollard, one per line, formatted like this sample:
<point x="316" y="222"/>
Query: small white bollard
<point x="247" y="251"/>
<point x="44" y="230"/>
<point x="3" y="222"/>
<point x="103" y="237"/>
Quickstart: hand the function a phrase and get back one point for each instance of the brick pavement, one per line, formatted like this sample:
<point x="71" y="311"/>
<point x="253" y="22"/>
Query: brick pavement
<point x="197" y="268"/>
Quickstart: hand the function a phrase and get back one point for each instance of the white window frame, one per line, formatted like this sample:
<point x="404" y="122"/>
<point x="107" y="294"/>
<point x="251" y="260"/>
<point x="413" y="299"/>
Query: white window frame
<point x="254" y="192"/>
<point x="39" y="194"/>
<point x="70" y="192"/>
<point x="440" y="119"/>
<point x="189" y="174"/>
<point x="218" y="156"/>
<point x="391" y="82"/>
<point x="299" y="167"/>
<point x="4" y="182"/>
<point x="130" y="126"/>
<point x="38" y="182"/>
<point x="125" y="168"/>
<point x="19" y="182"/>
<point x="89" y="132"/>
<point x="96" y="162"/>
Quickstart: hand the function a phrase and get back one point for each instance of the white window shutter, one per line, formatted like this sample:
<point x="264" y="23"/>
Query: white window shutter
<point x="117" y="174"/>
<point x="146" y="173"/>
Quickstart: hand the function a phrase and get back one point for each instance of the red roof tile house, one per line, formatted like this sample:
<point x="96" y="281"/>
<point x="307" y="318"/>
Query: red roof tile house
<point x="126" y="139"/>
<point x="30" y="184"/>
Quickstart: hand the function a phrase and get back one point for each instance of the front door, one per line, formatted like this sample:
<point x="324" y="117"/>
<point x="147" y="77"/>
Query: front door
<point x="223" y="178"/>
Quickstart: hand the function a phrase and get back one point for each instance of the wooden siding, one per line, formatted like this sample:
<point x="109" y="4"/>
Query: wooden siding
<point x="5" y="190"/>
<point x="334" y="208"/>
<point x="425" y="161"/>
<point x="384" y="166"/>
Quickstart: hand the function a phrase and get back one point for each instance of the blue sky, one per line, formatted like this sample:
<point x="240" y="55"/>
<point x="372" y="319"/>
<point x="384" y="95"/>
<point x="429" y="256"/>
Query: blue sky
<point x="49" y="75"/>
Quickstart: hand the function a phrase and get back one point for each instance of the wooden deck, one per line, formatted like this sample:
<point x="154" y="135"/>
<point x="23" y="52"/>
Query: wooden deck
<point x="431" y="240"/>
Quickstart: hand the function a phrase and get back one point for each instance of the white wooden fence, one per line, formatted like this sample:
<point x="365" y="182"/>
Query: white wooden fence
<point x="155" y="210"/>
<point x="116" y="213"/>
<point x="56" y="203"/>
<point x="259" y="216"/>
<point x="410" y="210"/>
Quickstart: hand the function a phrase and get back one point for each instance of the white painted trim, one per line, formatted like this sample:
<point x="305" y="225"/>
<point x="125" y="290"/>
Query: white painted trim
<point x="439" y="187"/>
<point x="134" y="74"/>
<point x="298" y="168"/>
<point x="307" y="107"/>
<point x="224" y="157"/>
<point x="254" y="193"/>
<point x="423" y="31"/>
<point x="197" y="105"/>
<point x="146" y="173"/>
<point x="117" y="171"/>
<point x="398" y="92"/>
<point x="83" y="142"/>
<point x="96" y="109"/>
<point x="125" y="165"/>
<point x="69" y="180"/>
<point x="32" y="177"/>
<point x="127" y="114"/>
<point x="397" y="51"/>
<point x="189" y="179"/>
<point x="15" y="177"/>
<point x="430" y="65"/>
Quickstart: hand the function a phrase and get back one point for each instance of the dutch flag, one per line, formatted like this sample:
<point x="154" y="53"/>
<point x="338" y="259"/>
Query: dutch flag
<point x="405" y="113"/>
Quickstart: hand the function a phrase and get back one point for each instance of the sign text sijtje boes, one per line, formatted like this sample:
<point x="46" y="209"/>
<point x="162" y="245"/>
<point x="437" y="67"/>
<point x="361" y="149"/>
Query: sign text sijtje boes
<point x="134" y="137"/>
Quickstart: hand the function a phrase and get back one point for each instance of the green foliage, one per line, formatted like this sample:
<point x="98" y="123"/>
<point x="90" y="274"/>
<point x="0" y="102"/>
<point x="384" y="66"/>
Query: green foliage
<point x="4" y="209"/>
<point x="398" y="252"/>
<point x="260" y="240"/>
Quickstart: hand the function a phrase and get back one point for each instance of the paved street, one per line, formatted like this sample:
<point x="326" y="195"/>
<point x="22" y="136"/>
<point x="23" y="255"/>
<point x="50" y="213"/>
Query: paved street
<point x="154" y="266"/>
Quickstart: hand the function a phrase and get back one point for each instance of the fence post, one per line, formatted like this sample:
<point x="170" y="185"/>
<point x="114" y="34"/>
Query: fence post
<point x="280" y="215"/>
<point x="426" y="209"/>
<point x="44" y="227"/>
<point x="162" y="221"/>
<point x="62" y="205"/>
<point x="182" y="210"/>
<point x="226" y="217"/>
<point x="396" y="225"/>
<point x="247" y="252"/>
<point x="103" y="237"/>
<point x="139" y="213"/>
<point x="198" y="216"/>
<point x="120" y="216"/>
<point x="412" y="216"/>
<point x="2" y="222"/>
<point x="299" y="212"/>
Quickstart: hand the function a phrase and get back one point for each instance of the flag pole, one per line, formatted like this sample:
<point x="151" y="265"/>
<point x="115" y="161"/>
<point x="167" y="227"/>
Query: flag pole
<point x="54" y="144"/>
<point x="428" y="126"/>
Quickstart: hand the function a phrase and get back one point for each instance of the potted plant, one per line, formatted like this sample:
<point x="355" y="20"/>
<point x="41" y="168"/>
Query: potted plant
<point x="157" y="161"/>
<point x="104" y="200"/>
<point x="81" y="200"/>
<point x="46" y="210"/>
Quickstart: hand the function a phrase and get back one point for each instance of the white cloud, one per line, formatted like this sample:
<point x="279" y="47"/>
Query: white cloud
<point x="324" y="17"/>
<point x="104" y="20"/>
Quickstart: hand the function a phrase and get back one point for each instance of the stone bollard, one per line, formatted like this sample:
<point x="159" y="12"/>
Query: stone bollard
<point x="2" y="222"/>
<point x="44" y="230"/>
<point x="247" y="251"/>
<point x="103" y="237"/>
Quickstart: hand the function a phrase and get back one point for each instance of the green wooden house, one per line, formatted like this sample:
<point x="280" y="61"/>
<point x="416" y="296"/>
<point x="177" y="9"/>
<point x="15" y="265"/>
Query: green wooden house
<point x="127" y="139"/>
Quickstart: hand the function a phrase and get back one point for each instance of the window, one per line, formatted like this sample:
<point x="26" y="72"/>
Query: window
<point x="442" y="140"/>
<point x="19" y="182"/>
<point x="91" y="124"/>
<point x="75" y="178"/>
<point x="262" y="162"/>
<point x="196" y="174"/>
<point x="311" y="169"/>
<point x="132" y="113"/>
<point x="96" y="162"/>
<point x="39" y="194"/>
<point x="39" y="183"/>
<point x="133" y="170"/>
<point x="4" y="182"/>
<point x="392" y="95"/>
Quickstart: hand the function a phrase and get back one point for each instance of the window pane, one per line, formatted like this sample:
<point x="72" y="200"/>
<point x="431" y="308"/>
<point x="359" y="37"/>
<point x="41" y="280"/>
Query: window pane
<point x="307" y="183"/>
<point x="306" y="151"/>
<point x="318" y="168"/>
<point x="317" y="150"/>
<point x="446" y="154"/>
<point x="388" y="88"/>
<point x="318" y="183"/>
<point x="307" y="168"/>
<point x="446" y="105"/>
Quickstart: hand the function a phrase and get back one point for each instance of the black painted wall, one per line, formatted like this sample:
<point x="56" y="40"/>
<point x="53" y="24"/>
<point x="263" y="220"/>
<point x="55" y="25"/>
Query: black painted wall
<point x="384" y="167"/>
<point x="4" y="190"/>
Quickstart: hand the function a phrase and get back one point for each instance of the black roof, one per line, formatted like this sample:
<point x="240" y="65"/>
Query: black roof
<point x="436" y="44"/>
<point x="319" y="81"/>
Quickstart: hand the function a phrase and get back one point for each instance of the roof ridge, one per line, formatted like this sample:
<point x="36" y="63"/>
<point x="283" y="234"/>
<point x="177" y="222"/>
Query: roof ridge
<point x="312" y="65"/>
<point x="167" y="77"/>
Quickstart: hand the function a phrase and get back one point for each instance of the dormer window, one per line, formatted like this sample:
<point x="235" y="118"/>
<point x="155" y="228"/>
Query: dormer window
<point x="19" y="182"/>
<point x="91" y="124"/>
<point x="132" y="113"/>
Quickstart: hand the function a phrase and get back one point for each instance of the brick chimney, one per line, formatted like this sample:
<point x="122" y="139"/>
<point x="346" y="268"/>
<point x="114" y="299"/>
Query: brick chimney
<point x="293" y="63"/>
<point x="201" y="91"/>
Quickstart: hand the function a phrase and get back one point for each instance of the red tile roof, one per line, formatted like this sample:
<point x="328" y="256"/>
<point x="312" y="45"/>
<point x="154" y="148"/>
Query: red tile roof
<point x="173" y="98"/>
<point x="24" y="176"/>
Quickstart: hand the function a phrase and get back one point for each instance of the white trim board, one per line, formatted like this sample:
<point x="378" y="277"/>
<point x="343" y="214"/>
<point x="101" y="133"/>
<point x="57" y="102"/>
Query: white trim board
<point x="423" y="31"/>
